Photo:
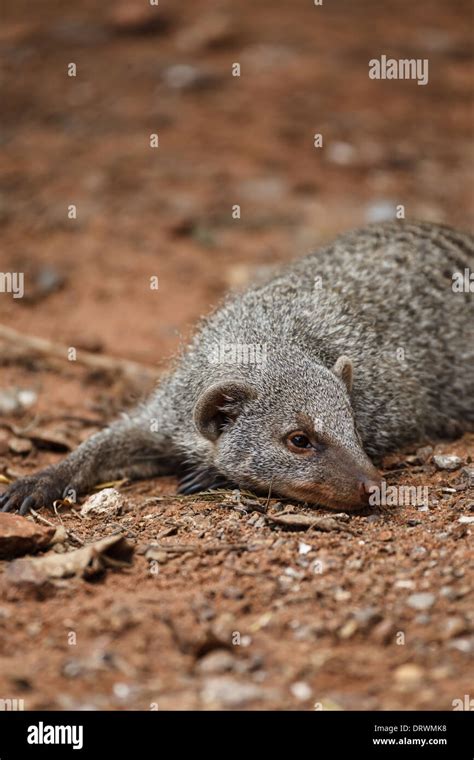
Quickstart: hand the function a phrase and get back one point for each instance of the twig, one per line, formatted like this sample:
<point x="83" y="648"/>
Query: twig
<point x="55" y="507"/>
<point x="88" y="359"/>
<point x="69" y="533"/>
<point x="42" y="519"/>
<point x="205" y="549"/>
<point x="267" y="503"/>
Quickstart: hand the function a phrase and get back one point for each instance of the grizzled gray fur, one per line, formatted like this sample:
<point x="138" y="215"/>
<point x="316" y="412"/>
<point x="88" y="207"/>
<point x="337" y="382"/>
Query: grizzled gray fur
<point x="296" y="384"/>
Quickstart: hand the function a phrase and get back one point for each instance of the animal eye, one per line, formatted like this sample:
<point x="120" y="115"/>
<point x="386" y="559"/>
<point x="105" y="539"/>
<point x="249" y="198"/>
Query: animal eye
<point x="299" y="441"/>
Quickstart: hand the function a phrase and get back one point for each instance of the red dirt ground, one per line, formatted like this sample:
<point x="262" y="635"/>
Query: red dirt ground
<point x="344" y="638"/>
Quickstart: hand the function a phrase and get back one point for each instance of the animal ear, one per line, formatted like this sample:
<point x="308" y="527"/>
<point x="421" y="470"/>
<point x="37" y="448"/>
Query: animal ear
<point x="220" y="405"/>
<point x="343" y="369"/>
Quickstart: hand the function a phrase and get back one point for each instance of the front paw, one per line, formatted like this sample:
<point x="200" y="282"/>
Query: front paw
<point x="31" y="492"/>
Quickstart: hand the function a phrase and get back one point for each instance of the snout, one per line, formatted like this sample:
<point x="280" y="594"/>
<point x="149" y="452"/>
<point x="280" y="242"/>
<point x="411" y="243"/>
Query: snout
<point x="348" y="486"/>
<point x="356" y="489"/>
<point x="369" y="485"/>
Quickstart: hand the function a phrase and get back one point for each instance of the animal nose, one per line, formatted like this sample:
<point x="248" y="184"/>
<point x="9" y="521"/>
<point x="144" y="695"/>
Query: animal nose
<point x="368" y="486"/>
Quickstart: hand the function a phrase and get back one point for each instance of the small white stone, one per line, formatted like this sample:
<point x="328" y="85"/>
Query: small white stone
<point x="301" y="690"/>
<point x="340" y="153"/>
<point x="447" y="462"/>
<point x="404" y="584"/>
<point x="380" y="211"/>
<point x="109" y="501"/>
<point x="122" y="690"/>
<point x="421" y="601"/>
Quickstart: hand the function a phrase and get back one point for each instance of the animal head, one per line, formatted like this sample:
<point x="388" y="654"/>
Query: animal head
<point x="290" y="431"/>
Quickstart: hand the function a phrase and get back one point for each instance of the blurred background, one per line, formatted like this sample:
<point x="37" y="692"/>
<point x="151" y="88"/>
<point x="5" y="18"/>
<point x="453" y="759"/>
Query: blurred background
<point x="223" y="140"/>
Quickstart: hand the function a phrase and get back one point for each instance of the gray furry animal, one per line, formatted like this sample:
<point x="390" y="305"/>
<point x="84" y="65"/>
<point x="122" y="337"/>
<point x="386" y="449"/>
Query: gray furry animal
<point x="294" y="385"/>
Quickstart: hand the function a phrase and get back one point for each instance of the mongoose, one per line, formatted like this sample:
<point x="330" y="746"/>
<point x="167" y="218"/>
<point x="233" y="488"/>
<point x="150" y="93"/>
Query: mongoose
<point x="297" y="384"/>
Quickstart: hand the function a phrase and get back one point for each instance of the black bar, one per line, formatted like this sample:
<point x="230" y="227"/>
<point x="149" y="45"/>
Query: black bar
<point x="317" y="734"/>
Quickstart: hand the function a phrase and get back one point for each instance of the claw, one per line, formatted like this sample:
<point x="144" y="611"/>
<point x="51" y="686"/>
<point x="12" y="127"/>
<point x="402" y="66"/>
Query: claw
<point x="201" y="480"/>
<point x="9" y="505"/>
<point x="191" y="484"/>
<point x="28" y="492"/>
<point x="27" y="504"/>
<point x="192" y="489"/>
<point x="195" y="479"/>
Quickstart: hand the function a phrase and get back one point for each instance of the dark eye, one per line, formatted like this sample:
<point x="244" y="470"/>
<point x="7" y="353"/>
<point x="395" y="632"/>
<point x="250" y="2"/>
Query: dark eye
<point x="299" y="441"/>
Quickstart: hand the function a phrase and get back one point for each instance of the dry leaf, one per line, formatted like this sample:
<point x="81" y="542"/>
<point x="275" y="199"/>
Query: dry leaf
<point x="304" y="522"/>
<point x="21" y="536"/>
<point x="112" y="551"/>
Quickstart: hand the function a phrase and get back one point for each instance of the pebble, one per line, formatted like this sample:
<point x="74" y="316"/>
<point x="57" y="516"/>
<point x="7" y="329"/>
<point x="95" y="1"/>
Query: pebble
<point x="27" y="397"/>
<point x="441" y="672"/>
<point x="341" y="595"/>
<point x="468" y="473"/>
<point x="380" y="211"/>
<point x="20" y="445"/>
<point x="418" y="552"/>
<point x="448" y="592"/>
<point x="109" y="501"/>
<point x="44" y="281"/>
<point x="424" y="453"/>
<point x="213" y="30"/>
<point x="466" y="646"/>
<point x="218" y="661"/>
<point x="423" y="619"/>
<point x="466" y="519"/>
<point x="409" y="675"/>
<point x="421" y="601"/>
<point x="269" y="189"/>
<point x="447" y="462"/>
<point x="34" y="628"/>
<point x="453" y="626"/>
<point x="341" y="153"/>
<point x="355" y="564"/>
<point x="384" y="632"/>
<point x="305" y="548"/>
<point x="154" y="554"/>
<point x="292" y="573"/>
<point x="228" y="692"/>
<point x="302" y="562"/>
<point x="72" y="668"/>
<point x="16" y="400"/>
<point x="367" y="616"/>
<point x="374" y="518"/>
<point x="348" y="629"/>
<point x="402" y="583"/>
<point x="122" y="690"/>
<point x="264" y="57"/>
<point x="184" y="76"/>
<point x="233" y="592"/>
<point x="301" y="690"/>
<point x="137" y="18"/>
